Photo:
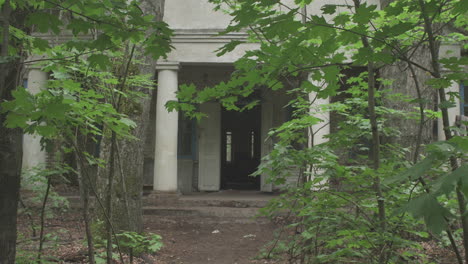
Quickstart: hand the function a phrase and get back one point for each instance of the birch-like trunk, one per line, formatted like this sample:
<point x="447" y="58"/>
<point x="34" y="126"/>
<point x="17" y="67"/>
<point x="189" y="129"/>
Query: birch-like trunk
<point x="129" y="155"/>
<point x="418" y="129"/>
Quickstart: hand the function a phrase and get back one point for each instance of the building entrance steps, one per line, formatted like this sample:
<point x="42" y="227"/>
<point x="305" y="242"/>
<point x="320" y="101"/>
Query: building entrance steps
<point x="226" y="205"/>
<point x="222" y="206"/>
<point x="224" y="198"/>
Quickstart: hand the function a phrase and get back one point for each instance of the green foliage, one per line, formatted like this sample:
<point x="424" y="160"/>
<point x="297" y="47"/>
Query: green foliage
<point x="27" y="256"/>
<point x="93" y="73"/>
<point x="444" y="182"/>
<point x="140" y="243"/>
<point x="34" y="184"/>
<point x="77" y="98"/>
<point x="333" y="206"/>
<point x="131" y="243"/>
<point x="118" y="22"/>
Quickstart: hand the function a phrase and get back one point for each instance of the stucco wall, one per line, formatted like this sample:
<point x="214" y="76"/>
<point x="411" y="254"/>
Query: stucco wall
<point x="194" y="14"/>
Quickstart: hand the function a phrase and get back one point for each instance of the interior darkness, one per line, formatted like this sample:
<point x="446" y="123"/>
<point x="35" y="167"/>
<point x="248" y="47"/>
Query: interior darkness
<point x="240" y="149"/>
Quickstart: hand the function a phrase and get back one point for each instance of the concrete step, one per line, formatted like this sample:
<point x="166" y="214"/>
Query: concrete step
<point x="183" y="220"/>
<point x="204" y="215"/>
<point x="201" y="211"/>
<point x="190" y="202"/>
<point x="200" y="208"/>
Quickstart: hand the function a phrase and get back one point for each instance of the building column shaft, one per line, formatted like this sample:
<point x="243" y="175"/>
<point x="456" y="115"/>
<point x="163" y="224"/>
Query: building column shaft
<point x="447" y="51"/>
<point x="321" y="129"/>
<point x="33" y="155"/>
<point x="165" y="164"/>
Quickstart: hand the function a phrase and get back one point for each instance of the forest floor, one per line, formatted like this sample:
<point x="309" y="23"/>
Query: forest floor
<point x="184" y="241"/>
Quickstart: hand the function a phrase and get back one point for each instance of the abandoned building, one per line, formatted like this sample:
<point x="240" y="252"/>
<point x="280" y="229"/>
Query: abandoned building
<point x="223" y="149"/>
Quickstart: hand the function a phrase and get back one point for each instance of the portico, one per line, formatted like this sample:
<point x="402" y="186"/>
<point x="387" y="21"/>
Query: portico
<point x="215" y="153"/>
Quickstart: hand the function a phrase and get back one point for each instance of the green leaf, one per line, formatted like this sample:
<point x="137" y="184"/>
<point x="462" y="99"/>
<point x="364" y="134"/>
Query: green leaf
<point x="128" y="122"/>
<point x="44" y="22"/>
<point x="41" y="44"/>
<point x="46" y="131"/>
<point x="427" y="207"/>
<point x="439" y="83"/>
<point x="460" y="143"/>
<point x="365" y="13"/>
<point x="416" y="171"/>
<point x="228" y="47"/>
<point x="447" y="183"/>
<point x="102" y="42"/>
<point x="14" y="120"/>
<point x="461" y="7"/>
<point x="78" y="26"/>
<point x="99" y="60"/>
<point x="328" y="9"/>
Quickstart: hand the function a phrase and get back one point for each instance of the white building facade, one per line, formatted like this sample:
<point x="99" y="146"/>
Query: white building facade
<point x="219" y="152"/>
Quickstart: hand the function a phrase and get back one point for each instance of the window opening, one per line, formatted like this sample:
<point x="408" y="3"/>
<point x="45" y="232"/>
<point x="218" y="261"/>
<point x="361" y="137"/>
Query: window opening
<point x="228" y="146"/>
<point x="252" y="144"/>
<point x="185" y="145"/>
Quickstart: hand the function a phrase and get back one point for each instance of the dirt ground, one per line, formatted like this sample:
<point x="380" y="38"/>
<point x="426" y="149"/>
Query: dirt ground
<point x="198" y="243"/>
<point x="184" y="241"/>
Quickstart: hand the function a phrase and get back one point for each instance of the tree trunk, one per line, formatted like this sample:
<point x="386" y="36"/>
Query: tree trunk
<point x="413" y="132"/>
<point x="10" y="172"/>
<point x="86" y="180"/>
<point x="129" y="155"/>
<point x="11" y="151"/>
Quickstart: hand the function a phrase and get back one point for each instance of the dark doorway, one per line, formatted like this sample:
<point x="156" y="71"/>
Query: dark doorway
<point x="240" y="149"/>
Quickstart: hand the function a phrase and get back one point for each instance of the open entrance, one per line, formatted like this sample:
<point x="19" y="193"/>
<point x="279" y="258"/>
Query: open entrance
<point x="240" y="149"/>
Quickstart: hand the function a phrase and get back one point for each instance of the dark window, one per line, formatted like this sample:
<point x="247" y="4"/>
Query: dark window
<point x="228" y="146"/>
<point x="186" y="137"/>
<point x="252" y="144"/>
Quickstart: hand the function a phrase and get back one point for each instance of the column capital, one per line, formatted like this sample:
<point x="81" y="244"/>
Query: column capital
<point x="168" y="65"/>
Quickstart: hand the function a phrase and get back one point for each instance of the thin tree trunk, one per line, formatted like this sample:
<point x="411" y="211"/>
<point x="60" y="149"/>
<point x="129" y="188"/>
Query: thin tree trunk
<point x="110" y="182"/>
<point x="83" y="169"/>
<point x="42" y="223"/>
<point x="129" y="156"/>
<point x="375" y="149"/>
<point x="6" y="11"/>
<point x="99" y="199"/>
<point x="412" y="132"/>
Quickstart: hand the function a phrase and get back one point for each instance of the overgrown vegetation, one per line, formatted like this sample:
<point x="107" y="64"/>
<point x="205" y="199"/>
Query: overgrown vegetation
<point x="360" y="197"/>
<point x="96" y="86"/>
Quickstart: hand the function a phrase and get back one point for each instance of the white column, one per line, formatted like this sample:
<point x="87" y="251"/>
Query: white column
<point x="165" y="158"/>
<point x="321" y="129"/>
<point x="318" y="131"/>
<point x="33" y="155"/>
<point x="447" y="51"/>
